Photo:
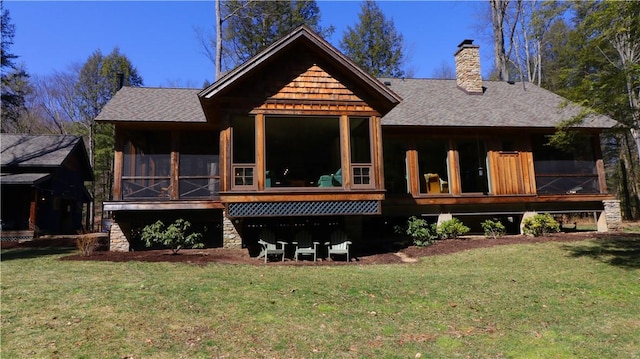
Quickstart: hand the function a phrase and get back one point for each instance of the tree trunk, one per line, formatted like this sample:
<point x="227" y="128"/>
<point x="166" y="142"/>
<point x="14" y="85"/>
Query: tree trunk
<point x="498" y="12"/>
<point x="218" y="62"/>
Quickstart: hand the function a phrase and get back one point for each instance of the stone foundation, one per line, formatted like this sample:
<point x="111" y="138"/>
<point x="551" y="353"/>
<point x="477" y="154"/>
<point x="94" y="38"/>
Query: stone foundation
<point x="118" y="241"/>
<point x="231" y="237"/>
<point x="611" y="218"/>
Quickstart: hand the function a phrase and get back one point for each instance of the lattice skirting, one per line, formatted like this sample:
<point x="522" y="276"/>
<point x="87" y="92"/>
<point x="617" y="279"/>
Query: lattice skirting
<point x="308" y="208"/>
<point x="16" y="235"/>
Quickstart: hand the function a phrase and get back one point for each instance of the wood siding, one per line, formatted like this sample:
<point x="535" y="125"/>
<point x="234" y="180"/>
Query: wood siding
<point x="511" y="172"/>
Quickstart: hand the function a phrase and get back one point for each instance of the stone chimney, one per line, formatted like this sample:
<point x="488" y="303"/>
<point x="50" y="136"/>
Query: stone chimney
<point x="468" y="77"/>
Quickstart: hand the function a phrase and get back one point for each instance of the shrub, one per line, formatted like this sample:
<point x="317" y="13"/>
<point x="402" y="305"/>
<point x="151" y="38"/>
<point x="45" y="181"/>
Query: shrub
<point x="452" y="228"/>
<point x="540" y="225"/>
<point x="175" y="236"/>
<point x="421" y="232"/>
<point x="493" y="229"/>
<point x="87" y="244"/>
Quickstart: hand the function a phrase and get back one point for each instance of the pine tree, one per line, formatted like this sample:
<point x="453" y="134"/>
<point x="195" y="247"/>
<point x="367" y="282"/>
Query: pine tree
<point x="14" y="79"/>
<point x="374" y="44"/>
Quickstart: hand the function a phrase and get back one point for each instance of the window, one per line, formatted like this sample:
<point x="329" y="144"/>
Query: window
<point x="244" y="139"/>
<point x="302" y="152"/>
<point x="360" y="139"/>
<point x="244" y="151"/>
<point x="361" y="175"/>
<point x="243" y="176"/>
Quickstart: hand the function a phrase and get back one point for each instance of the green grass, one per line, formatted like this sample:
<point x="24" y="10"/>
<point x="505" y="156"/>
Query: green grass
<point x="547" y="300"/>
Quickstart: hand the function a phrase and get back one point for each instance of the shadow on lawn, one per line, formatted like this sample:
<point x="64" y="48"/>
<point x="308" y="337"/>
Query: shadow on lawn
<point x="619" y="250"/>
<point x="26" y="253"/>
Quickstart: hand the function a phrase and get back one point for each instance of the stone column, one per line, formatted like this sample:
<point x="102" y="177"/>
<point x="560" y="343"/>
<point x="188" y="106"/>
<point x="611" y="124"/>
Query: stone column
<point x="231" y="237"/>
<point x="442" y="217"/>
<point x="526" y="215"/>
<point x="611" y="218"/>
<point x="118" y="241"/>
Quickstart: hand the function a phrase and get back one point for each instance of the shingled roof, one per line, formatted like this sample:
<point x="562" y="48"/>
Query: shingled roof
<point x="37" y="150"/>
<point x="426" y="102"/>
<point x="440" y="103"/>
<point x="147" y="104"/>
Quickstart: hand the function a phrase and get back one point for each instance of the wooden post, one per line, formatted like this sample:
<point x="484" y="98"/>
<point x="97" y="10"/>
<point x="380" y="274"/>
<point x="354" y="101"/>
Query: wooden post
<point x="413" y="175"/>
<point x="454" y="172"/>
<point x="260" y="148"/>
<point x="33" y="208"/>
<point x="225" y="159"/>
<point x="117" y="168"/>
<point x="378" y="159"/>
<point x="597" y="154"/>
<point x="174" y="186"/>
<point x="345" y="150"/>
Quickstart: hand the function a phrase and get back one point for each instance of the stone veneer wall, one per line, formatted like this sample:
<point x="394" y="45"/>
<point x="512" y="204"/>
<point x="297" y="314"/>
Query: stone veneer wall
<point x="611" y="218"/>
<point x="118" y="242"/>
<point x="231" y="237"/>
<point x="468" y="76"/>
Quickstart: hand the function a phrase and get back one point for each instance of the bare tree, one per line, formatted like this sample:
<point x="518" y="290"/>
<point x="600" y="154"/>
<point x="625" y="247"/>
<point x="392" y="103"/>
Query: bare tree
<point x="245" y="27"/>
<point x="56" y="101"/>
<point x="500" y="27"/>
<point x="444" y="71"/>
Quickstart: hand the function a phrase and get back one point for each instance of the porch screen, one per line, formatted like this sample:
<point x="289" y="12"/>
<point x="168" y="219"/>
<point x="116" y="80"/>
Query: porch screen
<point x="473" y="166"/>
<point x="302" y="152"/>
<point x="395" y="168"/>
<point x="146" y="171"/>
<point x="199" y="165"/>
<point x="432" y="160"/>
<point x="571" y="171"/>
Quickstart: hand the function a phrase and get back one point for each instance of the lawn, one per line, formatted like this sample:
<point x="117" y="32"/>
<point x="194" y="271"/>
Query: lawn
<point x="545" y="300"/>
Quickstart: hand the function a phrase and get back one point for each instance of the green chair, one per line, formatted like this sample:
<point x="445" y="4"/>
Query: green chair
<point x="267" y="179"/>
<point x="332" y="180"/>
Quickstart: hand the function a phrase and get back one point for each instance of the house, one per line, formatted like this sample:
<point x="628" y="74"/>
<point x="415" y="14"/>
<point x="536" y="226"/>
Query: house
<point x="42" y="183"/>
<point x="301" y="137"/>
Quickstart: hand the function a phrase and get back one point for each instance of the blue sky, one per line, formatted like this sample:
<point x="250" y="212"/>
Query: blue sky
<point x="159" y="37"/>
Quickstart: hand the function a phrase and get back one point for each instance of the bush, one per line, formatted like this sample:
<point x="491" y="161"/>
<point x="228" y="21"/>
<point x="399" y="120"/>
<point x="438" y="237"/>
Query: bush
<point x="87" y="244"/>
<point x="452" y="228"/>
<point x="173" y="236"/>
<point x="421" y="232"/>
<point x="540" y="225"/>
<point x="493" y="229"/>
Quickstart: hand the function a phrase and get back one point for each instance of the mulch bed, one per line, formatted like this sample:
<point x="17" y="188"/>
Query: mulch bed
<point x="241" y="256"/>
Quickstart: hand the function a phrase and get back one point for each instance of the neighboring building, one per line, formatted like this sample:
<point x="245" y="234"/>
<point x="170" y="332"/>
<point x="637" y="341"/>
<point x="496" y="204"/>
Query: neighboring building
<point x="42" y="183"/>
<point x="299" y="136"/>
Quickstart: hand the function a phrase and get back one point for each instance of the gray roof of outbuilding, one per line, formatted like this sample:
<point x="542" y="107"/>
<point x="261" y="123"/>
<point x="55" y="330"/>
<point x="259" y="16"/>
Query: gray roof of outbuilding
<point x="148" y="104"/>
<point x="23" y="178"/>
<point x="36" y="150"/>
<point x="429" y="102"/>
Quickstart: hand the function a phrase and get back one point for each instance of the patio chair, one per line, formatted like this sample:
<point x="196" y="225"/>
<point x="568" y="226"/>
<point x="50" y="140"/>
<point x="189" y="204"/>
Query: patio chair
<point x="339" y="244"/>
<point x="435" y="184"/>
<point x="305" y="245"/>
<point x="270" y="246"/>
<point x="332" y="180"/>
